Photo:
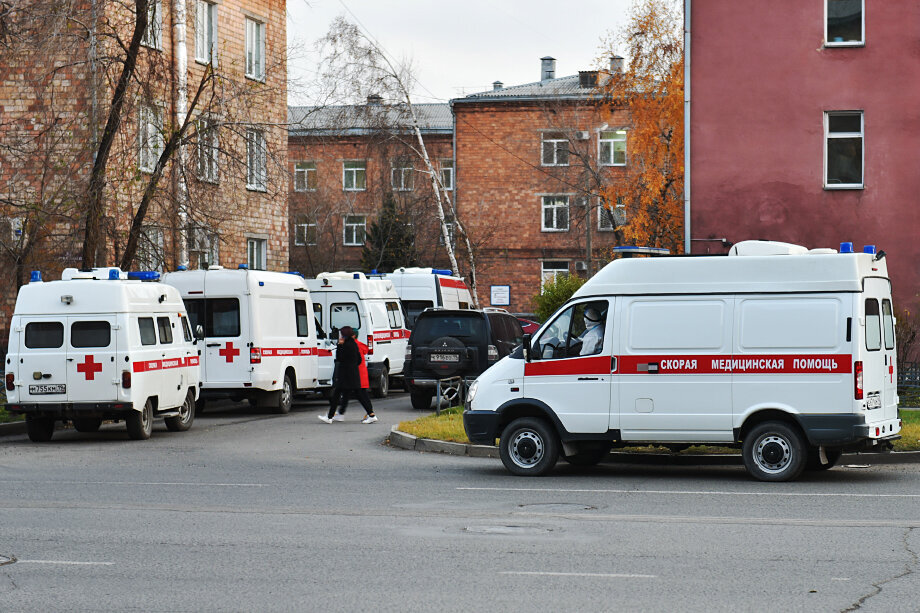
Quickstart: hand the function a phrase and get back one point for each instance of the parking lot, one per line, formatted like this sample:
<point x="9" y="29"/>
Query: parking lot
<point x="254" y="511"/>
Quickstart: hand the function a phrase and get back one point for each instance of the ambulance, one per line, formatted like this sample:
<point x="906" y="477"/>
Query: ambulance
<point x="784" y="352"/>
<point x="423" y="288"/>
<point x="100" y="345"/>
<point x="372" y="308"/>
<point x="260" y="338"/>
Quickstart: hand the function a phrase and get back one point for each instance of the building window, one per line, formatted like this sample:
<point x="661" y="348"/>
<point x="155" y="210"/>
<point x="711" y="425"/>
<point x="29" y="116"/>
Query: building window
<point x="353" y="176"/>
<point x="206" y="32"/>
<point x="612" y="148"/>
<point x="255" y="249"/>
<point x="843" y="150"/>
<point x="611" y="217"/>
<point x="845" y="23"/>
<point x="401" y="177"/>
<point x="150" y="248"/>
<point x="555" y="214"/>
<point x="451" y="233"/>
<point x="256" y="171"/>
<point x="255" y="49"/>
<point x="305" y="176"/>
<point x="551" y="270"/>
<point x="208" y="148"/>
<point x="153" y="35"/>
<point x="555" y="149"/>
<point x="355" y="230"/>
<point x="149" y="137"/>
<point x="447" y="174"/>
<point x="304" y="231"/>
<point x="203" y="247"/>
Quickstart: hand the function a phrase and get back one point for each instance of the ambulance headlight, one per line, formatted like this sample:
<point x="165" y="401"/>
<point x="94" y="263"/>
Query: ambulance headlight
<point x="471" y="393"/>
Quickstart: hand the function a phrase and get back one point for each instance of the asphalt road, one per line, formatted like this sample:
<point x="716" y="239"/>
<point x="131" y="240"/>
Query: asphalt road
<point x="253" y="512"/>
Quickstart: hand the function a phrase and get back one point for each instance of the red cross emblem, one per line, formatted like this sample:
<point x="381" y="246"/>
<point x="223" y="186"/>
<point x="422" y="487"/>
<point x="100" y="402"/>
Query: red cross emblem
<point x="89" y="368"/>
<point x="229" y="352"/>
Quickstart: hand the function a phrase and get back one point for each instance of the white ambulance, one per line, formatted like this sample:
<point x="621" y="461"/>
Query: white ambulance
<point x="422" y="288"/>
<point x="786" y="353"/>
<point x="101" y="345"/>
<point x="372" y="308"/>
<point x="259" y="334"/>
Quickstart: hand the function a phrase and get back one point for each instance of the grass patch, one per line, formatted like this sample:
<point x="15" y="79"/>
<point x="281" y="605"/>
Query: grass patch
<point x="449" y="427"/>
<point x="6" y="417"/>
<point x="909" y="397"/>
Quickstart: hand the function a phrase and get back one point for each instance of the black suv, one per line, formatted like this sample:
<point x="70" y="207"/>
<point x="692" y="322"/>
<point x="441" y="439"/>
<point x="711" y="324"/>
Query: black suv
<point x="448" y="343"/>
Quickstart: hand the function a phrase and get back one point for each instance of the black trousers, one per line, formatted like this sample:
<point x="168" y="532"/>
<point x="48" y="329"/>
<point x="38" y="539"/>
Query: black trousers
<point x="341" y="397"/>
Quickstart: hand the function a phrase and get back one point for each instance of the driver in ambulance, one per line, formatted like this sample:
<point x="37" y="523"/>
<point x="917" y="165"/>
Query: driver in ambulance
<point x="592" y="342"/>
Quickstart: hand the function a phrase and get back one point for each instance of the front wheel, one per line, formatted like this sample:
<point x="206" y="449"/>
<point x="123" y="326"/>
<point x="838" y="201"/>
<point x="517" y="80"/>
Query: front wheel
<point x="528" y="447"/>
<point x="140" y="423"/>
<point x="774" y="451"/>
<point x="183" y="421"/>
<point x="40" y="429"/>
<point x="382" y="389"/>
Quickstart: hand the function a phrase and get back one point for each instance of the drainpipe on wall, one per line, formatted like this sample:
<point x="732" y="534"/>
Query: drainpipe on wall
<point x="687" y="126"/>
<point x="181" y="54"/>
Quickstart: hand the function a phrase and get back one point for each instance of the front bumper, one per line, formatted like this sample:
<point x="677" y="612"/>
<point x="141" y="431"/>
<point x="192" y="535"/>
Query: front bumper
<point x="482" y="427"/>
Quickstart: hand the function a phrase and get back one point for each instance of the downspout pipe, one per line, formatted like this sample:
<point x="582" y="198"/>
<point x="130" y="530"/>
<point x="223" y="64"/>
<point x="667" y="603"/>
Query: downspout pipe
<point x="687" y="73"/>
<point x="180" y="50"/>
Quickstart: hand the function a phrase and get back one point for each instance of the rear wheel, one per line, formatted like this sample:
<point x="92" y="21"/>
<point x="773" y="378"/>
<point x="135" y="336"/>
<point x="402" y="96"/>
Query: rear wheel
<point x="421" y="399"/>
<point x="831" y="454"/>
<point x="774" y="451"/>
<point x="285" y="396"/>
<point x="382" y="389"/>
<point x="528" y="447"/>
<point x="40" y="429"/>
<point x="183" y="421"/>
<point x="86" y="424"/>
<point x="140" y="423"/>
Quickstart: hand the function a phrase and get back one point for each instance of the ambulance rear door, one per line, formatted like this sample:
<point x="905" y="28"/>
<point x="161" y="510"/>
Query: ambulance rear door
<point x="227" y="340"/>
<point x="92" y="369"/>
<point x="42" y="370"/>
<point x="878" y="351"/>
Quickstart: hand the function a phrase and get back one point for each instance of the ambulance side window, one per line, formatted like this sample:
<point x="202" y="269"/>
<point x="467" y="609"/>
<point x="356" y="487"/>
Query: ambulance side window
<point x="303" y="324"/>
<point x="186" y="332"/>
<point x="873" y="325"/>
<point x="164" y="330"/>
<point x="393" y="314"/>
<point x="44" y="335"/>
<point x="888" y="321"/>
<point x="345" y="314"/>
<point x="318" y="313"/>
<point x="578" y="331"/>
<point x="148" y="335"/>
<point x="90" y="334"/>
<point x="195" y="308"/>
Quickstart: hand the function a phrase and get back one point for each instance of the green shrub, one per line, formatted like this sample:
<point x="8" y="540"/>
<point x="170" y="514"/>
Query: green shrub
<point x="554" y="295"/>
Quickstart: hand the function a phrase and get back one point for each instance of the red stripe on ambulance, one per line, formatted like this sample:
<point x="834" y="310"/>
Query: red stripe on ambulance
<point x="751" y="364"/>
<point x="282" y="352"/>
<point x="391" y="335"/>
<point x="593" y="365"/>
<point x="456" y="283"/>
<point x="152" y="365"/>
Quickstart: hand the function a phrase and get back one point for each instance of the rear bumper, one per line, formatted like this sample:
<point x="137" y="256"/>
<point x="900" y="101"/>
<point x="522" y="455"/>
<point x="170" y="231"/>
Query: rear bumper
<point x="68" y="410"/>
<point x="433" y="383"/>
<point x="848" y="430"/>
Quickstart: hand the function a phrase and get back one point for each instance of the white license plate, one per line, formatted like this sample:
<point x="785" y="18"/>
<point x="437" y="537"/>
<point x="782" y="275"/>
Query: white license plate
<point x="874" y="402"/>
<point x="445" y="357"/>
<point x="49" y="388"/>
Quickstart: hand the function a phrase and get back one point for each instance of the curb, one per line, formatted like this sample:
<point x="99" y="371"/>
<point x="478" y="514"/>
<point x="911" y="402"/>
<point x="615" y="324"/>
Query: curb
<point x="16" y="427"/>
<point x="402" y="440"/>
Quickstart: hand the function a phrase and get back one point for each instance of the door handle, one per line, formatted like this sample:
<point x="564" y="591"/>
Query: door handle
<point x="589" y="378"/>
<point x="213" y="345"/>
<point x="70" y="359"/>
<point x="613" y="364"/>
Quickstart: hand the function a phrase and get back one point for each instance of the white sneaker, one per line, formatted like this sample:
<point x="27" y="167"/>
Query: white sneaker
<point x="325" y="419"/>
<point x="338" y="417"/>
<point x="369" y="419"/>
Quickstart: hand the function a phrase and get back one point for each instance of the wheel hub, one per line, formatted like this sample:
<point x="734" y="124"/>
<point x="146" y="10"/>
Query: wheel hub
<point x="527" y="449"/>
<point x="773" y="453"/>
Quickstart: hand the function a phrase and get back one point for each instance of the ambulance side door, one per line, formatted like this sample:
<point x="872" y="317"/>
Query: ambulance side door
<point x="306" y="360"/>
<point x="92" y="374"/>
<point x="42" y="371"/>
<point x="172" y="361"/>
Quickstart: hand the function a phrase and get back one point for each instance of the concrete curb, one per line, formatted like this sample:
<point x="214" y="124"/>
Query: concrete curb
<point x="407" y="441"/>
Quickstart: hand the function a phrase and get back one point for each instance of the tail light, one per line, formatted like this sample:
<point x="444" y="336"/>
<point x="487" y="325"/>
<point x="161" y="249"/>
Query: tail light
<point x="255" y="355"/>
<point x="408" y="352"/>
<point x="10" y="377"/>
<point x="370" y="344"/>
<point x="858" y="380"/>
<point x="493" y="352"/>
<point x="126" y="379"/>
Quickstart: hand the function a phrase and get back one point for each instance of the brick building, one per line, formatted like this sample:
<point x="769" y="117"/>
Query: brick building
<point x="806" y="135"/>
<point x="222" y="198"/>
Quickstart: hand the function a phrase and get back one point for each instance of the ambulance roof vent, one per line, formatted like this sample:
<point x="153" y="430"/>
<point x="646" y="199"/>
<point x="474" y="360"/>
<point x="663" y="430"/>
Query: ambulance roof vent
<point x="759" y="248"/>
<point x="112" y="272"/>
<point x="215" y="267"/>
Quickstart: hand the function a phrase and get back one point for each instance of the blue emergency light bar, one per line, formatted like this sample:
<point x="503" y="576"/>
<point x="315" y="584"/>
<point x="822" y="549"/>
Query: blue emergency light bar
<point x="243" y="267"/>
<point x="114" y="274"/>
<point x="846" y="247"/>
<point x="441" y="271"/>
<point x="636" y="250"/>
<point x="140" y="275"/>
<point x="181" y="267"/>
<point x="35" y="277"/>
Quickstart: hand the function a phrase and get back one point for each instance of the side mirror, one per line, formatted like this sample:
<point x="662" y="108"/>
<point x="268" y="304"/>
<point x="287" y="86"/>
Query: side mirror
<point x="199" y="332"/>
<point x="334" y="334"/>
<point x="526" y="343"/>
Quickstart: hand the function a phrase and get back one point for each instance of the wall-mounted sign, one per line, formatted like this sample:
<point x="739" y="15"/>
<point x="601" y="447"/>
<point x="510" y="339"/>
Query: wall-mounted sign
<point x="500" y="295"/>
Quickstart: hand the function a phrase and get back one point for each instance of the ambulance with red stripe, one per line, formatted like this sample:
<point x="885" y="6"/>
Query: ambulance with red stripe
<point x="423" y="288"/>
<point x="784" y="352"/>
<point x="101" y="345"/>
<point x="260" y="339"/>
<point x="372" y="308"/>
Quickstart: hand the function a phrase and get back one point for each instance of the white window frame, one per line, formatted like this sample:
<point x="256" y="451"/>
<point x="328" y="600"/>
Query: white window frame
<point x="150" y="143"/>
<point x="208" y="150"/>
<point x="256" y="161"/>
<point x="618" y="214"/>
<point x="151" y="250"/>
<point x="302" y="175"/>
<point x="555" y="202"/>
<point x="447" y="175"/>
<point x="153" y="34"/>
<point x="846" y="43"/>
<point x="828" y="135"/>
<point x="354" y="227"/>
<point x="256" y="253"/>
<point x="254" y="59"/>
<point x="451" y="233"/>
<point x="302" y="231"/>
<point x="204" y="243"/>
<point x="205" y="32"/>
<point x="401" y="177"/>
<point x="551" y="274"/>
<point x="355" y="171"/>
<point x="554" y="139"/>
<point x="608" y="158"/>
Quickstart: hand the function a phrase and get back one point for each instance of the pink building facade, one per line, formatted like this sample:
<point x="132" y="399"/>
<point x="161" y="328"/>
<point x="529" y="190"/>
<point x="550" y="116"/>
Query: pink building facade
<point x="804" y="127"/>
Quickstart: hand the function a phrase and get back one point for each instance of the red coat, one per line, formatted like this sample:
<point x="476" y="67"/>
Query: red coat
<point x="362" y="367"/>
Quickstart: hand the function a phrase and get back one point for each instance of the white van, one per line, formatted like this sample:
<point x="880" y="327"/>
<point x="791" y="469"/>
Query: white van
<point x="422" y="288"/>
<point x="101" y="345"/>
<point x="260" y="337"/>
<point x="372" y="308"/>
<point x="786" y="353"/>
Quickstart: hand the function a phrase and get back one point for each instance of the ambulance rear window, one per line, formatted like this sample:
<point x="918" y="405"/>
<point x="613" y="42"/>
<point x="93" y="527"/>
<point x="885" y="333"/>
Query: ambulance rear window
<point x="165" y="330"/>
<point x="90" y="334"/>
<point x="888" y="321"/>
<point x="873" y="325"/>
<point x="44" y="335"/>
<point x="148" y="334"/>
<point x="223" y="317"/>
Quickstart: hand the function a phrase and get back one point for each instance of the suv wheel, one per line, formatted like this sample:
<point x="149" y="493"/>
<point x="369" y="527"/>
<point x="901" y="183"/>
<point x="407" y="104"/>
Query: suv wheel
<point x="421" y="399"/>
<point x="528" y="447"/>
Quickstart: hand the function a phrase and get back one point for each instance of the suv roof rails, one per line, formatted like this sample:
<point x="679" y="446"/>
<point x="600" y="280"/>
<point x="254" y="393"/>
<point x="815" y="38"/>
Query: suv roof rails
<point x="495" y="310"/>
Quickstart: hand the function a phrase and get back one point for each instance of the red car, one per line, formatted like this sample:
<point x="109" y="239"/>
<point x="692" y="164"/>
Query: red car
<point x="528" y="325"/>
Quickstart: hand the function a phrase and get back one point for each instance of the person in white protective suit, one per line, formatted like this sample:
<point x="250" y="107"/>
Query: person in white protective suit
<point x="593" y="340"/>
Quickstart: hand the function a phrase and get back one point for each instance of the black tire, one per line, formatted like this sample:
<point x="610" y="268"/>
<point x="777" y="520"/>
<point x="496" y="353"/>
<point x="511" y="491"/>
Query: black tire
<point x="140" y="423"/>
<point x="421" y="399"/>
<point x="285" y="396"/>
<point x="183" y="421"/>
<point x="86" y="424"/>
<point x="774" y="451"/>
<point x="831" y="454"/>
<point x="200" y="405"/>
<point x="40" y="429"/>
<point x="529" y="447"/>
<point x="588" y="456"/>
<point x="382" y="389"/>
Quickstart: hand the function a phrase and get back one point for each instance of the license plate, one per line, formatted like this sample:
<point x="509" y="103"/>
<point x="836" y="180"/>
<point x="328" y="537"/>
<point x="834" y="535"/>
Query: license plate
<point x="874" y="402"/>
<point x="445" y="357"/>
<point x="49" y="388"/>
